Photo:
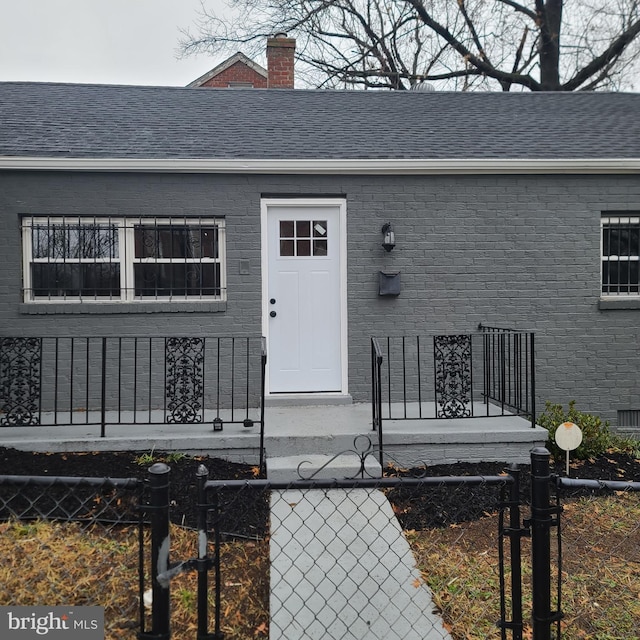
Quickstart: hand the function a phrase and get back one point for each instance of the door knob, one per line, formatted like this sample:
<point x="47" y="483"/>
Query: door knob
<point x="272" y="301"/>
<point x="273" y="314"/>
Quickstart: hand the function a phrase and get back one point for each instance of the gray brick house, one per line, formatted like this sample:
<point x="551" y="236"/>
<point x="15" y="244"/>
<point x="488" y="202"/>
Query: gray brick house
<point x="160" y="211"/>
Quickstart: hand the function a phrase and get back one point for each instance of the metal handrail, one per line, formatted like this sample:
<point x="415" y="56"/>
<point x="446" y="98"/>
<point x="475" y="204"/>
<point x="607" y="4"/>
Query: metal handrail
<point x="376" y="395"/>
<point x="100" y="380"/>
<point x="407" y="375"/>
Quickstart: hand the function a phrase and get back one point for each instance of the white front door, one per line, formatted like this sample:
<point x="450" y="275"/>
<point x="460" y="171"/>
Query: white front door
<point x="304" y="291"/>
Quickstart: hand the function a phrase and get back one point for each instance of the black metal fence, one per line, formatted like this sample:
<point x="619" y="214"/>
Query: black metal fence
<point x="339" y="563"/>
<point x="490" y="373"/>
<point x="393" y="557"/>
<point x="139" y="380"/>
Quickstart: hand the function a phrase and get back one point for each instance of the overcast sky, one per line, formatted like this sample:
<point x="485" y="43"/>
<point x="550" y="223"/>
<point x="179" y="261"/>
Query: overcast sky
<point x="102" y="41"/>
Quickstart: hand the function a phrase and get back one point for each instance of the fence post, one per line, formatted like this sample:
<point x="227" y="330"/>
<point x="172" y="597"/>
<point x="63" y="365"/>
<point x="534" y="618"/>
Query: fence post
<point x="541" y="523"/>
<point x="263" y="378"/>
<point x="103" y="390"/>
<point x="159" y="503"/>
<point x="202" y="475"/>
<point x="515" y="539"/>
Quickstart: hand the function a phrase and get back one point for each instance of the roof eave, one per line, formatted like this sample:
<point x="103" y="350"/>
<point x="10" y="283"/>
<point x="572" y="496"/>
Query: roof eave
<point x="353" y="166"/>
<point x="226" y="64"/>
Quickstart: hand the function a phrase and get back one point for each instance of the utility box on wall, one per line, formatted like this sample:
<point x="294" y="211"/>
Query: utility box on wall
<point x="389" y="284"/>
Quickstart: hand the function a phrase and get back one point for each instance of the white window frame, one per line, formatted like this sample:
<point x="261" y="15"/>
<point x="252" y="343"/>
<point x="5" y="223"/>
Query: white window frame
<point x="619" y="219"/>
<point x="125" y="228"/>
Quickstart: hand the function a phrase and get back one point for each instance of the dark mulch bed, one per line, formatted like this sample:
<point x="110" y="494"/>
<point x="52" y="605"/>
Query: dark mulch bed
<point x="246" y="517"/>
<point x="445" y="505"/>
<point x="245" y="513"/>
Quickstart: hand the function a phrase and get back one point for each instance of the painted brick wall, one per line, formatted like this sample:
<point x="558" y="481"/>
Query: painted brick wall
<point x="518" y="251"/>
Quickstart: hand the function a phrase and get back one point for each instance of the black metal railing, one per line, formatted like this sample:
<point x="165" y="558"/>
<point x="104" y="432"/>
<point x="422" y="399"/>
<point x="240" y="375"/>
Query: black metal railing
<point x="376" y="392"/>
<point x="489" y="373"/>
<point x="132" y="380"/>
<point x="508" y="369"/>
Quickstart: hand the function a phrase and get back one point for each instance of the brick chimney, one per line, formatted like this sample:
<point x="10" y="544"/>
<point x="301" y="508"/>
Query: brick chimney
<point x="280" y="58"/>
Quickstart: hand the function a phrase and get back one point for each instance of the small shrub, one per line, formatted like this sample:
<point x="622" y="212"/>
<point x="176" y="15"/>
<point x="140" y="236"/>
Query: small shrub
<point x="145" y="459"/>
<point x="596" y="436"/>
<point x="175" y="456"/>
<point x="626" y="444"/>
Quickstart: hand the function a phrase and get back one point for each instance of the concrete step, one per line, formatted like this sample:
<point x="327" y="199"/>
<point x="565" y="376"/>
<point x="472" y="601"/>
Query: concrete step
<point x="321" y="466"/>
<point x="308" y="400"/>
<point x="310" y="443"/>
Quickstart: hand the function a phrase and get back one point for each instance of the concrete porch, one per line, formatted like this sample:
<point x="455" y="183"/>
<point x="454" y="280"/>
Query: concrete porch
<point x="297" y="432"/>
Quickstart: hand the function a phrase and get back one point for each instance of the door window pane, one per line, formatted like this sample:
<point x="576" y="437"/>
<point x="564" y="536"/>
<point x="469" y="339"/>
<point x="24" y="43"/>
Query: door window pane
<point x="319" y="228"/>
<point x="303" y="238"/>
<point x="286" y="229"/>
<point x="303" y="229"/>
<point x="287" y="248"/>
<point x="319" y="247"/>
<point x="303" y="248"/>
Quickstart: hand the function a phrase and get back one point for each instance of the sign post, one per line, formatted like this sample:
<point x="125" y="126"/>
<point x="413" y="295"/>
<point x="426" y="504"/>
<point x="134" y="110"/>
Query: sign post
<point x="568" y="438"/>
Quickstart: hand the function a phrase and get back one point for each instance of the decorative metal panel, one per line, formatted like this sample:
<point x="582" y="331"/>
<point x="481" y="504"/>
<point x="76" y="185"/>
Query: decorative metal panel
<point x="20" y="362"/>
<point x="184" y="383"/>
<point x="452" y="362"/>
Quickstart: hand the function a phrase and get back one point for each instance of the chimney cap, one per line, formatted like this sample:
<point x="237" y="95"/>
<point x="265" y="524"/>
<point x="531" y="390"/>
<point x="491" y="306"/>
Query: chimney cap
<point x="280" y="35"/>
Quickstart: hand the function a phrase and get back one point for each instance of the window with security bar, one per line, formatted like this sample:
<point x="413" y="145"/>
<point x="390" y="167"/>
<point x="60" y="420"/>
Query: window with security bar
<point x="620" y="255"/>
<point x="123" y="259"/>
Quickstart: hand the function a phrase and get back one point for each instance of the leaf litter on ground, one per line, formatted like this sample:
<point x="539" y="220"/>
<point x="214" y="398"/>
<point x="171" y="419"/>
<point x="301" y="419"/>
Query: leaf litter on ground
<point x="63" y="563"/>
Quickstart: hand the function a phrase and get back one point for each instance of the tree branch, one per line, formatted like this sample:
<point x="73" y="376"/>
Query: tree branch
<point x="396" y="43"/>
<point x="520" y="8"/>
<point x="481" y="65"/>
<point x="472" y="30"/>
<point x="613" y="51"/>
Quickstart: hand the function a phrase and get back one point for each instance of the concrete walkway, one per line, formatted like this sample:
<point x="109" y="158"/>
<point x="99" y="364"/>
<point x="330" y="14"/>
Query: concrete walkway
<point x="341" y="569"/>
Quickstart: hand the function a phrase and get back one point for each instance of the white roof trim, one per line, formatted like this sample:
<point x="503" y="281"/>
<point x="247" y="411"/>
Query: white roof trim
<point x="339" y="166"/>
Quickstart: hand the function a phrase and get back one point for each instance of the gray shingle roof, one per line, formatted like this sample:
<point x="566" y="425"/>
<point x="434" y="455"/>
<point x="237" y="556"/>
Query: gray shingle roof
<point x="96" y="121"/>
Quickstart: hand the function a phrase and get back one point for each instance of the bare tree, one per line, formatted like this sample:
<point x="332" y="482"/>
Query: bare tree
<point x="536" y="45"/>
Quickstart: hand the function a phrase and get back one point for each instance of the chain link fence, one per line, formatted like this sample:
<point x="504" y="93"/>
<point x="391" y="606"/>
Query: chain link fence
<point x="598" y="552"/>
<point x="394" y="558"/>
<point x="58" y="533"/>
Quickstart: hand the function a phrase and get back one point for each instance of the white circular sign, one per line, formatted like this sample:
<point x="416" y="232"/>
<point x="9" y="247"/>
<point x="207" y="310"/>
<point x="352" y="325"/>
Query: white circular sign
<point x="568" y="436"/>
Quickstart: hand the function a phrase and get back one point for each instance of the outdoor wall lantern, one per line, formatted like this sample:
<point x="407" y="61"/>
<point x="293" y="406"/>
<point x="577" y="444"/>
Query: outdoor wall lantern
<point x="389" y="237"/>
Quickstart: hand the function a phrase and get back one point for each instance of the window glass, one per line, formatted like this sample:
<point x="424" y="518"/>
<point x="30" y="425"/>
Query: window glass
<point x="120" y="259"/>
<point x="303" y="229"/>
<point x="620" y="255"/>
<point x="176" y="279"/>
<point x="287" y="248"/>
<point x="303" y="238"/>
<point x="287" y="229"/>
<point x="76" y="280"/>
<point x="61" y="241"/>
